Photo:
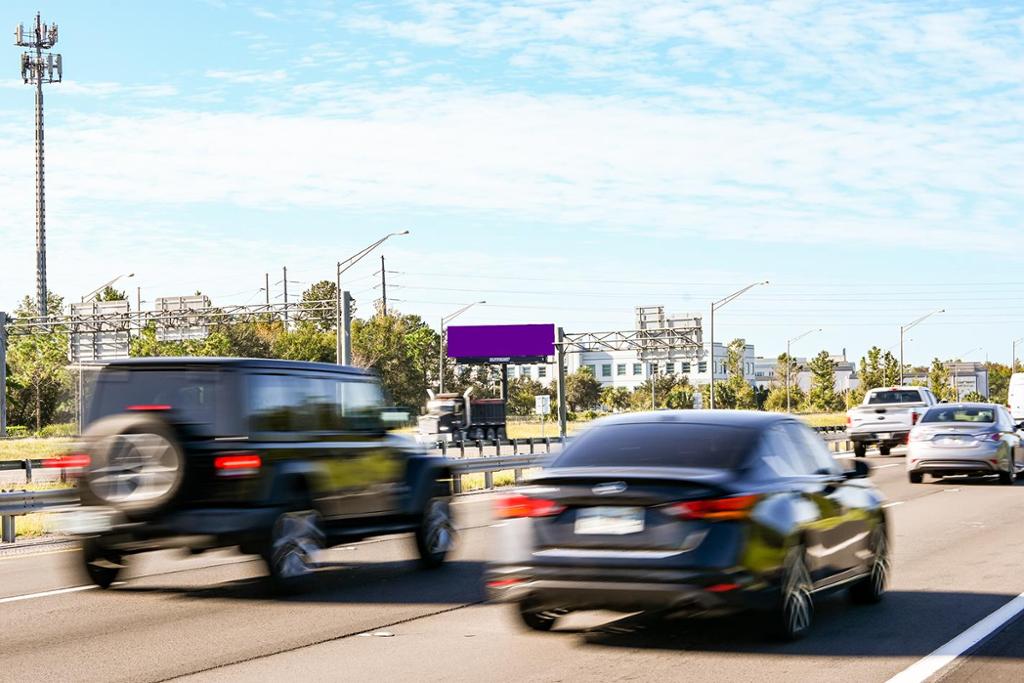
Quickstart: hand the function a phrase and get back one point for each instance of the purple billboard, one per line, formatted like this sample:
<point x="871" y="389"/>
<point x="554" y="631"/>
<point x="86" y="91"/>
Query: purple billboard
<point x="501" y="343"/>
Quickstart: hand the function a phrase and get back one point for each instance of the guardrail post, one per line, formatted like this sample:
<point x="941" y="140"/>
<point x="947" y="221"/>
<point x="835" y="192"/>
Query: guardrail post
<point x="497" y="446"/>
<point x="8" y="531"/>
<point x="488" y="480"/>
<point x="456" y="483"/>
<point x="28" y="471"/>
<point x="547" y="443"/>
<point x="515" y="446"/>
<point x="444" y="448"/>
<point x="519" y="476"/>
<point x="462" y="448"/>
<point x="480" y="447"/>
<point x="532" y="440"/>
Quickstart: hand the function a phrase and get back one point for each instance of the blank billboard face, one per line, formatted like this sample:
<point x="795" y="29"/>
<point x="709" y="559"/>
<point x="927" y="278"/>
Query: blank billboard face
<point x="501" y="343"/>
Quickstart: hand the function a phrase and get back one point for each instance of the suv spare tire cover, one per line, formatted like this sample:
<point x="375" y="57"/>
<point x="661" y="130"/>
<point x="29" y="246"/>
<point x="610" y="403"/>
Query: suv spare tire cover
<point x="137" y="464"/>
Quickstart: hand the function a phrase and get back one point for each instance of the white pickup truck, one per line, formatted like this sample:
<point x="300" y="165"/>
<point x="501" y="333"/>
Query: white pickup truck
<point x="886" y="417"/>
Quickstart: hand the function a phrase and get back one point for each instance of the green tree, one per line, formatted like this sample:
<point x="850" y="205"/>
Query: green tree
<point x="775" y="398"/>
<point x="313" y="306"/>
<point x="521" y="393"/>
<point x="680" y="396"/>
<point x="582" y="390"/>
<point x="973" y="397"/>
<point x="939" y="381"/>
<point x="39" y="386"/>
<point x="616" y="399"/>
<point x="640" y="398"/>
<point x="403" y="349"/>
<point x="998" y="382"/>
<point x="306" y="342"/>
<point x="736" y="391"/>
<point x="111" y="294"/>
<point x="822" y="395"/>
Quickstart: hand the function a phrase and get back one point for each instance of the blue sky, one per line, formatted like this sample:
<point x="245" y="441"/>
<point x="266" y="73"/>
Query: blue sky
<point x="565" y="161"/>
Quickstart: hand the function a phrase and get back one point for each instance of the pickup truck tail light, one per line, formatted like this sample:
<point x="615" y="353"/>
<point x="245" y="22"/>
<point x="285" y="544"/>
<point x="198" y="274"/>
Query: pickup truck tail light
<point x="848" y="420"/>
<point x="237" y="464"/>
<point x="914" y="417"/>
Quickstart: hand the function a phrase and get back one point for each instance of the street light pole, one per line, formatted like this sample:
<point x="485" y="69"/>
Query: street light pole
<point x="715" y="305"/>
<point x="789" y="361"/>
<point x="1013" y="357"/>
<point x="342" y="352"/>
<point x="905" y="328"/>
<point x="440" y="342"/>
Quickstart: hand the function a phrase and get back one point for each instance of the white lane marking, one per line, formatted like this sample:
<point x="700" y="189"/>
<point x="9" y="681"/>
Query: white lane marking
<point x="46" y="594"/>
<point x="929" y="665"/>
<point x="882" y="467"/>
<point x="894" y="503"/>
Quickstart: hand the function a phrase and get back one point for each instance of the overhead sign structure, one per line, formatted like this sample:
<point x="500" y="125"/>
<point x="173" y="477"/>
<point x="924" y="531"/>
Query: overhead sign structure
<point x="98" y="332"/>
<point x="514" y="344"/>
<point x="542" y="404"/>
<point x="180" y="318"/>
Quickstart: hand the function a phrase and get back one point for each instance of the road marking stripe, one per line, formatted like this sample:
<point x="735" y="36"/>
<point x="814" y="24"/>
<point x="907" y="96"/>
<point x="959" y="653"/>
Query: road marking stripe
<point x="894" y="503"/>
<point x="46" y="594"/>
<point x="929" y="665"/>
<point x="892" y="464"/>
<point x="28" y="553"/>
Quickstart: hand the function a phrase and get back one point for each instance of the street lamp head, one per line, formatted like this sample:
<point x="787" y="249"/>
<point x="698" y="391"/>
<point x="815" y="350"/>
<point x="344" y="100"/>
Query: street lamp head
<point x="404" y="232"/>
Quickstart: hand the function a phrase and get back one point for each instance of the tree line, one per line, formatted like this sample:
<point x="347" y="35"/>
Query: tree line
<point x="41" y="390"/>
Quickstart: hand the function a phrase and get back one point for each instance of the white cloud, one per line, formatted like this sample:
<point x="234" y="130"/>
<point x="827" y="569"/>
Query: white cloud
<point x="247" y="77"/>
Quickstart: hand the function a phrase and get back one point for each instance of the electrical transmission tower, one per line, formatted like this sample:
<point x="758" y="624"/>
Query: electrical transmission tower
<point x="38" y="68"/>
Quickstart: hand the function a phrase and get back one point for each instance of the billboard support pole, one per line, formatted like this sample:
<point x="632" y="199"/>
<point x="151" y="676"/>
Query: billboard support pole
<point x="560" y="360"/>
<point x="504" y="382"/>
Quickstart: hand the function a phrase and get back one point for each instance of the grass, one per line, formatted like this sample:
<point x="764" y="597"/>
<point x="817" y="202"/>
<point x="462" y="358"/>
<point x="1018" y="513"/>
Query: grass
<point x="824" y="419"/>
<point x="35" y="524"/>
<point x="475" y="482"/>
<point x="32" y="448"/>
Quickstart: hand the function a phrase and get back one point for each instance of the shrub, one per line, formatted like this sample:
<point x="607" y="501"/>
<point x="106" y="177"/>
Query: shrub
<point x="59" y="430"/>
<point x="17" y="431"/>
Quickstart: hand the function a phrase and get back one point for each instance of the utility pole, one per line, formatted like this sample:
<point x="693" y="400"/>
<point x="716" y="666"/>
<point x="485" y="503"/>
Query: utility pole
<point x="266" y="287"/>
<point x="3" y="374"/>
<point x="285" y="282"/>
<point x="38" y="69"/>
<point x="562" y="407"/>
<point x="383" y="287"/>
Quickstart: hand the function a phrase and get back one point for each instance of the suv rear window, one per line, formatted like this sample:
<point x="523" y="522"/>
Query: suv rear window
<point x="191" y="395"/>
<point x="660" y="445"/>
<point x="895" y="397"/>
<point x="952" y="414"/>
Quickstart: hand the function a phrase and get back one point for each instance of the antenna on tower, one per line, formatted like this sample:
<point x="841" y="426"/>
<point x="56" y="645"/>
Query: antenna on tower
<point x="38" y="68"/>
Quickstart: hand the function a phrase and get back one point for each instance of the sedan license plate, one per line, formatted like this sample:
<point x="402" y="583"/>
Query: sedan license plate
<point x="611" y="521"/>
<point x="884" y="435"/>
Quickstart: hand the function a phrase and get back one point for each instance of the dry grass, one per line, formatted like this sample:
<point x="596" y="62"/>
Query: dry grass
<point x="475" y="482"/>
<point x="32" y="449"/>
<point x="824" y="419"/>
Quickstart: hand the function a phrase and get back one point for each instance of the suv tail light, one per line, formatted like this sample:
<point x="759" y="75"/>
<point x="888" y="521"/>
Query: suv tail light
<point x="517" y="505"/>
<point x="914" y="417"/>
<point x="734" y="507"/>
<point x="237" y="464"/>
<point x="849" y="420"/>
<point x="69" y="461"/>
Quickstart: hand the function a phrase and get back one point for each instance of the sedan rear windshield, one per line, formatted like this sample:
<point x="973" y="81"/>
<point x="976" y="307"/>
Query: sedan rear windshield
<point x="895" y="397"/>
<point x="952" y="414"/>
<point x="660" y="445"/>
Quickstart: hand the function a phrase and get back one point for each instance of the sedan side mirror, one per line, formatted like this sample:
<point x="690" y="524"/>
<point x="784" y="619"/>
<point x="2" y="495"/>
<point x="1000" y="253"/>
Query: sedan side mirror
<point x="861" y="470"/>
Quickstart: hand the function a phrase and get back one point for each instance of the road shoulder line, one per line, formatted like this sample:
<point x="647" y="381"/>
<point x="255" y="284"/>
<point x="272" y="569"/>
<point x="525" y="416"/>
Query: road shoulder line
<point x="946" y="654"/>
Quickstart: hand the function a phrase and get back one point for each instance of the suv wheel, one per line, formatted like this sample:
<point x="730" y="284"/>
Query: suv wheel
<point x="295" y="542"/>
<point x="435" y="536"/>
<point x="915" y="477"/>
<point x="885" y="450"/>
<point x="103" y="566"/>
<point x="859" y="449"/>
<point x="794" y="613"/>
<point x="537" y="620"/>
<point x="871" y="588"/>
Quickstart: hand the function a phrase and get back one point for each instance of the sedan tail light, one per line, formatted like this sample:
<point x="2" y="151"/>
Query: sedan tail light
<point x="517" y="505"/>
<point x="734" y="507"/>
<point x="988" y="436"/>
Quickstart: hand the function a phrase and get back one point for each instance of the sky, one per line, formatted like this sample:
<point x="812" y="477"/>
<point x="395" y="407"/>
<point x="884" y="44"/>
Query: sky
<point x="564" y="161"/>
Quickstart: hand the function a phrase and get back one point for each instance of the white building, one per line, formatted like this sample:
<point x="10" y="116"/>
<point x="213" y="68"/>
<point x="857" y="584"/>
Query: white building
<point x="845" y="374"/>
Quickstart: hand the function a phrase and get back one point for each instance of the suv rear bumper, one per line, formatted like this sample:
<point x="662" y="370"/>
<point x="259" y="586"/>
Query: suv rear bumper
<point x="200" y="528"/>
<point x="893" y="439"/>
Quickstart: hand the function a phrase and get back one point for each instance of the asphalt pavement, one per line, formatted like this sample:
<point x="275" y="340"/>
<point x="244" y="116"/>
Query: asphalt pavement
<point x="374" y="615"/>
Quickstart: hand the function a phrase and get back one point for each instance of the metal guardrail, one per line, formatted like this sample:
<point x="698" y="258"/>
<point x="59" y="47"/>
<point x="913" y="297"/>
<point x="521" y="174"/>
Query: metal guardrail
<point x="16" y="503"/>
<point x="530" y="445"/>
<point x="488" y="465"/>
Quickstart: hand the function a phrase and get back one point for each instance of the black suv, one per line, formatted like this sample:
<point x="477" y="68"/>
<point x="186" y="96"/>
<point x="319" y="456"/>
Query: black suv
<point x="280" y="458"/>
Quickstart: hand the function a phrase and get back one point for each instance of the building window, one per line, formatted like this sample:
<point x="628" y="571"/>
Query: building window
<point x="592" y="369"/>
<point x="638" y="368"/>
<point x="620" y="370"/>
<point x="685" y="369"/>
<point x="542" y="371"/>
<point x="524" y="371"/>
<point x="606" y="370"/>
<point x="702" y="366"/>
<point x="670" y="368"/>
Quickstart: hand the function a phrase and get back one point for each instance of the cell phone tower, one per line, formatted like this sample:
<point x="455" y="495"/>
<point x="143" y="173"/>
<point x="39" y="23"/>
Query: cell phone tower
<point x="39" y="67"/>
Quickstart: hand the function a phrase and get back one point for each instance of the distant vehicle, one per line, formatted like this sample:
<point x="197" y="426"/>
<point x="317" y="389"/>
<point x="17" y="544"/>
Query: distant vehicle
<point x="691" y="512"/>
<point x="1015" y="396"/>
<point x="965" y="438"/>
<point x="886" y="417"/>
<point x="280" y="458"/>
<point x="454" y="417"/>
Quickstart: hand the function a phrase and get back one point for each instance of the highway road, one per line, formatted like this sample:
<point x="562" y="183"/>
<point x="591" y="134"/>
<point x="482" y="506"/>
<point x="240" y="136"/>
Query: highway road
<point x="373" y="615"/>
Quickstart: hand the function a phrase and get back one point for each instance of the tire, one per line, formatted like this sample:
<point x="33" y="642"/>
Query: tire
<point x="859" y="450"/>
<point x="295" y="540"/>
<point x="537" y="620"/>
<point x="792" y="617"/>
<point x="871" y="589"/>
<point x="501" y="434"/>
<point x="1009" y="477"/>
<point x="490" y="434"/>
<point x="885" y="450"/>
<point x="915" y="477"/>
<point x="137" y="464"/>
<point x="435" y="535"/>
<point x="103" y="566"/>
